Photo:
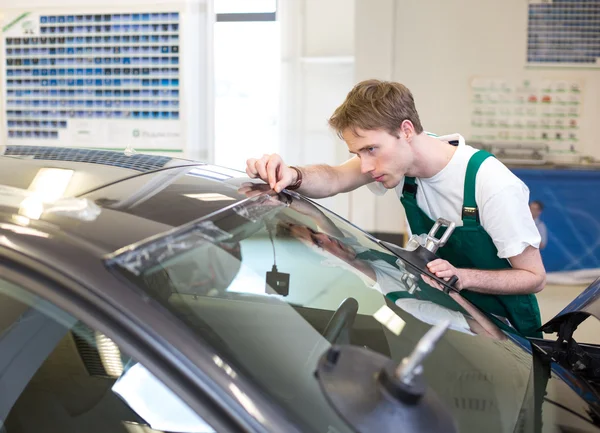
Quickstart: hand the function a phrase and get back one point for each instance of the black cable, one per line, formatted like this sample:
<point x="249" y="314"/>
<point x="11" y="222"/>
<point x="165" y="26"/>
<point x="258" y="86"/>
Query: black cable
<point x="273" y="245"/>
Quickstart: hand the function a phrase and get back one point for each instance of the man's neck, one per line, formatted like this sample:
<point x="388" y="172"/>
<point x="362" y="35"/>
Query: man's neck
<point x="431" y="155"/>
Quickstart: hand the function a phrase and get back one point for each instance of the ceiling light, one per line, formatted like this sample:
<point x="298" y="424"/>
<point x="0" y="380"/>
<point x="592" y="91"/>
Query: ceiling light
<point x="110" y="355"/>
<point x="50" y="184"/>
<point x="389" y="319"/>
<point x="209" y="197"/>
<point x="31" y="207"/>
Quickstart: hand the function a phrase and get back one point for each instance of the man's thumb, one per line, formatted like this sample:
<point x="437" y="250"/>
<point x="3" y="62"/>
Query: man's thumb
<point x="279" y="186"/>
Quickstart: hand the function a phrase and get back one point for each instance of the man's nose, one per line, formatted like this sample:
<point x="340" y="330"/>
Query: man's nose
<point x="365" y="166"/>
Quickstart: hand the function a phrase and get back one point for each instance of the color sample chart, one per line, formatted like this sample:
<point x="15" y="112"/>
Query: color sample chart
<point x="564" y="32"/>
<point x="527" y="111"/>
<point x="96" y="79"/>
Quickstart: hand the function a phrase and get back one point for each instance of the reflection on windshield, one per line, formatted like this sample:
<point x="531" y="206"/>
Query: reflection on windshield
<point x="218" y="287"/>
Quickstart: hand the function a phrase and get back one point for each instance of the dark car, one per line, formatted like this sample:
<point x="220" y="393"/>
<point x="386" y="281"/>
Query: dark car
<point x="142" y="293"/>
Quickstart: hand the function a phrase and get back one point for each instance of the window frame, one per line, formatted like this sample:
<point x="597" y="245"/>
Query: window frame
<point x="247" y="16"/>
<point x="61" y="292"/>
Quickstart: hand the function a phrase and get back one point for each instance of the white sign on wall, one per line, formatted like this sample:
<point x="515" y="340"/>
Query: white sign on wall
<point x="108" y="79"/>
<point x="527" y="111"/>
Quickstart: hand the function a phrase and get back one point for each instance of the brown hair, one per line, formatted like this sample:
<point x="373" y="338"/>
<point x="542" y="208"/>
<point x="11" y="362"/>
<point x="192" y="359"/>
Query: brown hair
<point x="375" y="104"/>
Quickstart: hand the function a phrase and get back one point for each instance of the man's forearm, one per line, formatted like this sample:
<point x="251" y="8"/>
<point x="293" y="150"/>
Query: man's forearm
<point x="319" y="181"/>
<point x="502" y="282"/>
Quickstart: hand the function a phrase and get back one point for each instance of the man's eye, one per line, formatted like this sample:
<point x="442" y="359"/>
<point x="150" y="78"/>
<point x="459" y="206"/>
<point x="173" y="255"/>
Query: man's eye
<point x="370" y="149"/>
<point x="316" y="241"/>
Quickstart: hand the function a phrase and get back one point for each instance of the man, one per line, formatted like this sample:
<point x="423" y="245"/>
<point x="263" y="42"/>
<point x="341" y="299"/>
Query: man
<point x="537" y="207"/>
<point x="494" y="249"/>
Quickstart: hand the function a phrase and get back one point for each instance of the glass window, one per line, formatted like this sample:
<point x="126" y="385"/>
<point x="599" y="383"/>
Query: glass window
<point x="247" y="75"/>
<point x="59" y="375"/>
<point x="260" y="282"/>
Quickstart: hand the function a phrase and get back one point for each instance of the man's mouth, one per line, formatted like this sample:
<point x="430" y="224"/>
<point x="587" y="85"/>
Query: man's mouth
<point x="379" y="178"/>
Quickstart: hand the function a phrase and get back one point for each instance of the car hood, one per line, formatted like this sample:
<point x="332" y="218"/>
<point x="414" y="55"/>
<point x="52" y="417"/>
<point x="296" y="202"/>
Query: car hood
<point x="585" y="305"/>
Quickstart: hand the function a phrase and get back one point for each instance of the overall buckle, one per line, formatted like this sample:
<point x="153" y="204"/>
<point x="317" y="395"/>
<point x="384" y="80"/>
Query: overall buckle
<point x="470" y="213"/>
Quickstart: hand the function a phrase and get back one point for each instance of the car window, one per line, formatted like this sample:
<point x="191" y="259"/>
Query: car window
<point x="59" y="375"/>
<point x="261" y="282"/>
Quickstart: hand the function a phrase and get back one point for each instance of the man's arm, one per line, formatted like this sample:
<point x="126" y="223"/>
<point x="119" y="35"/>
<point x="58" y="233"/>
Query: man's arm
<point x="503" y="200"/>
<point x="318" y="181"/>
<point x="527" y="275"/>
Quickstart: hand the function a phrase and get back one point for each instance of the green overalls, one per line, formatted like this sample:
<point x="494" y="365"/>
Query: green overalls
<point x="471" y="247"/>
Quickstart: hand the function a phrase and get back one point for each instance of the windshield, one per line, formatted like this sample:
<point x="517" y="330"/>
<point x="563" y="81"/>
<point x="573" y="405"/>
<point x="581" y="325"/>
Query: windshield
<point x="261" y="280"/>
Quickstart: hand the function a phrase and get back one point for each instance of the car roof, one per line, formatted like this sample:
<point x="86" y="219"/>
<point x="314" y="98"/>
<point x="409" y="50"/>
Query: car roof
<point x="92" y="168"/>
<point x="136" y="197"/>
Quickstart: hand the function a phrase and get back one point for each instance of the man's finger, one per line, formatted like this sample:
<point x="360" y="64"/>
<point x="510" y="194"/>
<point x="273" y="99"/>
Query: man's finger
<point x="284" y="182"/>
<point x="426" y="279"/>
<point x="279" y="186"/>
<point x="261" y="167"/>
<point x="431" y="282"/>
<point x="445" y="273"/>
<point x="433" y="268"/>
<point x="251" y="168"/>
<point x="437" y="266"/>
<point x="273" y="165"/>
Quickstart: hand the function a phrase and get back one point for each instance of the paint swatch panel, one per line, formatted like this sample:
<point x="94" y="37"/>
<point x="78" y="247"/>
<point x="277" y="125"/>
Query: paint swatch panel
<point x="94" y="66"/>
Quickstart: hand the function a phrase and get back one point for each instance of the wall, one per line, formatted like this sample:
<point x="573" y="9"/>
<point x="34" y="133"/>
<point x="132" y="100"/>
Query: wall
<point x="374" y="36"/>
<point x="317" y="73"/>
<point x="436" y="51"/>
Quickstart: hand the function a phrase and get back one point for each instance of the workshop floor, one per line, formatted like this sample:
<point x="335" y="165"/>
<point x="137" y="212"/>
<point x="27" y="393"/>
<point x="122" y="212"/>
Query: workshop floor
<point x="554" y="298"/>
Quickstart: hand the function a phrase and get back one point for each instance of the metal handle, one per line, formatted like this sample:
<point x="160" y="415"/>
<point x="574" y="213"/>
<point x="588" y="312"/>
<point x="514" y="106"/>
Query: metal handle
<point x="411" y="366"/>
<point x="341" y="322"/>
<point x="432" y="243"/>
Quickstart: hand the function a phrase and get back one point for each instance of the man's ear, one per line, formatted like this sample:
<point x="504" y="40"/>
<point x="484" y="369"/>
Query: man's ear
<point x="407" y="130"/>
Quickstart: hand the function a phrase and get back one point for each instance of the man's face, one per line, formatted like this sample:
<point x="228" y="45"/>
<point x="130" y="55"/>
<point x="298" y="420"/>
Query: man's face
<point x="535" y="210"/>
<point x="383" y="156"/>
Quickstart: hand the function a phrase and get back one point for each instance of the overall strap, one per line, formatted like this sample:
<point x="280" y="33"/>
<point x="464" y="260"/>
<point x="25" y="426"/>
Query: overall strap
<point x="470" y="213"/>
<point x="410" y="187"/>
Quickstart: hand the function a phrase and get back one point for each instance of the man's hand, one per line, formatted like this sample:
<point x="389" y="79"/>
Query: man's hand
<point x="432" y="282"/>
<point x="272" y="170"/>
<point x="444" y="270"/>
<point x="526" y="275"/>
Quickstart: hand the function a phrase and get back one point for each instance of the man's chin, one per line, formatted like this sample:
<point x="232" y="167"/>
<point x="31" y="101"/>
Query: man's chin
<point x="390" y="184"/>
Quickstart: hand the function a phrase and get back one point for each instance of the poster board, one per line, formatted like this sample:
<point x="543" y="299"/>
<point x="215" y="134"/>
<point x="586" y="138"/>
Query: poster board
<point x="563" y="33"/>
<point x="524" y="111"/>
<point x="108" y="78"/>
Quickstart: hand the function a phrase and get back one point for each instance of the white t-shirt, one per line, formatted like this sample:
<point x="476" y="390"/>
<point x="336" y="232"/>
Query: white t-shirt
<point x="502" y="199"/>
<point x="431" y="313"/>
